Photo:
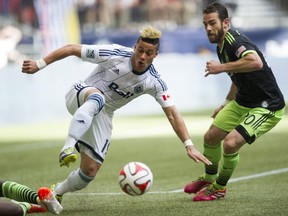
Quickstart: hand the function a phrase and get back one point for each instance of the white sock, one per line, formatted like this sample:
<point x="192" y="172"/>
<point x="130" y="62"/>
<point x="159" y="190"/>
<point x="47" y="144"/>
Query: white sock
<point x="76" y="180"/>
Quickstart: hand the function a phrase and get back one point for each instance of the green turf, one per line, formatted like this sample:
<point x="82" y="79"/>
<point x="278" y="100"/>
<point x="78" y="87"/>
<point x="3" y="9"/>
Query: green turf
<point x="36" y="164"/>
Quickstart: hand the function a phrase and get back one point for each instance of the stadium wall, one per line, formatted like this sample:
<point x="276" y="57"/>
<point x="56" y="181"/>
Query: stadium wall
<point x="40" y="97"/>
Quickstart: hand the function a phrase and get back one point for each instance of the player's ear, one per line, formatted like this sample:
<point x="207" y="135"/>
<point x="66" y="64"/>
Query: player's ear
<point x="226" y="23"/>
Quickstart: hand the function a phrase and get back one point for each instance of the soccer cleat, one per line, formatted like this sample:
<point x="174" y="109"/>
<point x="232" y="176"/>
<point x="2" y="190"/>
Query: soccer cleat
<point x="209" y="193"/>
<point x="57" y="196"/>
<point x="196" y="185"/>
<point x="48" y="200"/>
<point x="67" y="156"/>
<point x="36" y="209"/>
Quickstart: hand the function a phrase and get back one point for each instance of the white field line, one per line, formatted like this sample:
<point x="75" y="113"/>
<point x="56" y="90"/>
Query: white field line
<point x="233" y="180"/>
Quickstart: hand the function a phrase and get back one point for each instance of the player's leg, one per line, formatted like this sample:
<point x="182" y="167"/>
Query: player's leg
<point x="79" y="178"/>
<point x="12" y="209"/>
<point x="93" y="148"/>
<point x="253" y="124"/>
<point x="217" y="188"/>
<point x="26" y="198"/>
<point x="83" y="102"/>
<point x="82" y="118"/>
<point x="19" y="192"/>
<point x="212" y="151"/>
<point x="224" y="122"/>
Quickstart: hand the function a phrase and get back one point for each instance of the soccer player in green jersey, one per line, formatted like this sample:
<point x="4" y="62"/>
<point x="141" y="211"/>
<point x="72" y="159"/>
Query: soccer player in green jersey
<point x="253" y="106"/>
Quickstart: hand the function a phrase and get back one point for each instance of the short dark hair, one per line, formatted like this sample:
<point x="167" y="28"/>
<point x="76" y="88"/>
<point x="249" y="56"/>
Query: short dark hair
<point x="153" y="41"/>
<point x="217" y="8"/>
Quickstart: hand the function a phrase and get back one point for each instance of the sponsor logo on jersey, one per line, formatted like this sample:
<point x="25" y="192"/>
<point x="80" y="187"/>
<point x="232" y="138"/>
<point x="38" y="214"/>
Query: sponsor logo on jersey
<point x="113" y="86"/>
<point x="90" y="53"/>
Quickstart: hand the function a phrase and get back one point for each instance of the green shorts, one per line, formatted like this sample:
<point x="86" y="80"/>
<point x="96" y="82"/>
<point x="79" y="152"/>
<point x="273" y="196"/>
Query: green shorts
<point x="251" y="123"/>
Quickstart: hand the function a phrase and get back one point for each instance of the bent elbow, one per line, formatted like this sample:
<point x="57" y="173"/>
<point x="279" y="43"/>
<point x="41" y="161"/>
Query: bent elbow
<point x="259" y="65"/>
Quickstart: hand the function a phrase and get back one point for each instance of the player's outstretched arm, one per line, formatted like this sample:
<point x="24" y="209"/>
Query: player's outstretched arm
<point x="31" y="67"/>
<point x="180" y="129"/>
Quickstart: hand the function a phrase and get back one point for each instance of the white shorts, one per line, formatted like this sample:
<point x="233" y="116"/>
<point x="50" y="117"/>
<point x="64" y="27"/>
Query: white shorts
<point x="95" y="142"/>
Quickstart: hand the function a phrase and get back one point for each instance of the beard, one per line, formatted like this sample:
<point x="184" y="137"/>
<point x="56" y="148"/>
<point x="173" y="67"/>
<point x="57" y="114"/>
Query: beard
<point x="216" y="38"/>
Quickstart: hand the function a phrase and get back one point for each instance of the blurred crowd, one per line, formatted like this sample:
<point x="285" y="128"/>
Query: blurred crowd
<point x="46" y="24"/>
<point x="48" y="20"/>
<point x="110" y="13"/>
<point x="127" y="13"/>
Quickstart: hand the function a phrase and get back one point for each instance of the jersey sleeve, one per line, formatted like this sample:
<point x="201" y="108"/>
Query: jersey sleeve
<point x="163" y="96"/>
<point x="98" y="53"/>
<point x="90" y="53"/>
<point x="243" y="46"/>
<point x="165" y="99"/>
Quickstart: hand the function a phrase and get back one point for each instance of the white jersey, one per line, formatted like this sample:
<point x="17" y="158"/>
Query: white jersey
<point x="114" y="76"/>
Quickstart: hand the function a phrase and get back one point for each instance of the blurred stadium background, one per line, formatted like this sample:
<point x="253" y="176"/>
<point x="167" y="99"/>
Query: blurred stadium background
<point x="33" y="28"/>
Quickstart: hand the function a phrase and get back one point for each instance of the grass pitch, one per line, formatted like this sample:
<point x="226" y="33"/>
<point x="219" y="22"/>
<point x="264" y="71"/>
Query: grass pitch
<point x="35" y="163"/>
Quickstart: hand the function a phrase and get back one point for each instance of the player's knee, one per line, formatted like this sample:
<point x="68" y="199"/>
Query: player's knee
<point x="211" y="138"/>
<point x="98" y="99"/>
<point x="90" y="169"/>
<point x="230" y="145"/>
<point x="208" y="137"/>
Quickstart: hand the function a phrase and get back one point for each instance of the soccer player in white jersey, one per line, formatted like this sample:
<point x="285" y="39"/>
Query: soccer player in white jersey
<point x="121" y="75"/>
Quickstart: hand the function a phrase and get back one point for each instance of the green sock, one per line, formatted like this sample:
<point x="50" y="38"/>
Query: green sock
<point x="229" y="164"/>
<point x="19" y="192"/>
<point x="213" y="153"/>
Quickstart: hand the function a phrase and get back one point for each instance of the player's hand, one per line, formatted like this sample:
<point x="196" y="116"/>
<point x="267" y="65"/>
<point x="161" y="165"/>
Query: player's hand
<point x="196" y="155"/>
<point x="29" y="67"/>
<point x="216" y="111"/>
<point x="213" y="67"/>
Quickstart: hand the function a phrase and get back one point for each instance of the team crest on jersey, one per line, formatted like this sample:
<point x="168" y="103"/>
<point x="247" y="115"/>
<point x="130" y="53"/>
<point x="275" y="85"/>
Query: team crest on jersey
<point x="90" y="53"/>
<point x="264" y="104"/>
<point x="138" y="89"/>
